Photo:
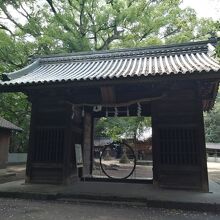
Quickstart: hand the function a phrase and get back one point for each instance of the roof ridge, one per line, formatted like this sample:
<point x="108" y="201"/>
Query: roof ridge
<point x="182" y="48"/>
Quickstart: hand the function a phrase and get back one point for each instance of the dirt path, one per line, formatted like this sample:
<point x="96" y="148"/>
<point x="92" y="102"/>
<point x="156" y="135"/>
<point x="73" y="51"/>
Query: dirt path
<point x="144" y="172"/>
<point x="12" y="173"/>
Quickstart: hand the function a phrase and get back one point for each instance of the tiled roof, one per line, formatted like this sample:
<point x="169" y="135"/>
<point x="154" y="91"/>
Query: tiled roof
<point x="8" y="125"/>
<point x="194" y="57"/>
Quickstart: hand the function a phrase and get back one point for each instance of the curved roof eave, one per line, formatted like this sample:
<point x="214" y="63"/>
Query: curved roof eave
<point x="22" y="72"/>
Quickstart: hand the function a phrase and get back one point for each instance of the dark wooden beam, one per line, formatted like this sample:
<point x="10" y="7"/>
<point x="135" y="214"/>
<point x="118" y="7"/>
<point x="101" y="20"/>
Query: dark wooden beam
<point x="108" y="94"/>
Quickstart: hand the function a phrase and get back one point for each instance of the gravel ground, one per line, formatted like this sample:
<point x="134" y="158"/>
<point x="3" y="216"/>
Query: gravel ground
<point x="16" y="209"/>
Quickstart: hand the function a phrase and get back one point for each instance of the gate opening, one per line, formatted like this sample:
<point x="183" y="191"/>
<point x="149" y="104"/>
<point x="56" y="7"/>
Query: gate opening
<point x="122" y="148"/>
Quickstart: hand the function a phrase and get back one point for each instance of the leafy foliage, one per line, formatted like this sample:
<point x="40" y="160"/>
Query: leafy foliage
<point x="212" y="123"/>
<point x="15" y="108"/>
<point x="76" y="25"/>
<point x="117" y="128"/>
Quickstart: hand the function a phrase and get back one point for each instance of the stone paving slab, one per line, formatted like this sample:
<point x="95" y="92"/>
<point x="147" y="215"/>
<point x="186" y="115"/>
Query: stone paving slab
<point x="146" y="194"/>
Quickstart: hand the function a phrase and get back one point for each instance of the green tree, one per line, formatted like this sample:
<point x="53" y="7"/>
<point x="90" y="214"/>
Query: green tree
<point x="78" y="25"/>
<point x="15" y="108"/>
<point x="212" y="123"/>
<point x="117" y="127"/>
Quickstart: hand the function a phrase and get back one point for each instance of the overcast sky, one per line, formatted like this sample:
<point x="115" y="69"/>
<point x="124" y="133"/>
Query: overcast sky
<point x="205" y="8"/>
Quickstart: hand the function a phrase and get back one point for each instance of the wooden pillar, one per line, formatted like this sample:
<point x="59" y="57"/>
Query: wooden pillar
<point x="179" y="156"/>
<point x="74" y="135"/>
<point x="69" y="168"/>
<point x="202" y="144"/>
<point x="87" y="145"/>
<point x="30" y="145"/>
<point x="4" y="147"/>
<point x="53" y="135"/>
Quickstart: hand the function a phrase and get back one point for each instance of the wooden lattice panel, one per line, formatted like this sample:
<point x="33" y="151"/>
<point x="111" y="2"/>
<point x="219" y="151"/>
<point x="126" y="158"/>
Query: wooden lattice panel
<point x="178" y="146"/>
<point x="49" y="143"/>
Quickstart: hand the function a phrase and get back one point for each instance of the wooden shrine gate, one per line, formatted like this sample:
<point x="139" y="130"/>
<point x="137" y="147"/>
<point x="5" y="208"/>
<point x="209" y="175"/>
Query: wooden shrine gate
<point x="178" y="141"/>
<point x="173" y="84"/>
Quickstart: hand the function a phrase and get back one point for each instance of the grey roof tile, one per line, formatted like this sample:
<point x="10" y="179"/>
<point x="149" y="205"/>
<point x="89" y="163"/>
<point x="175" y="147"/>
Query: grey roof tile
<point x="161" y="60"/>
<point x="8" y="125"/>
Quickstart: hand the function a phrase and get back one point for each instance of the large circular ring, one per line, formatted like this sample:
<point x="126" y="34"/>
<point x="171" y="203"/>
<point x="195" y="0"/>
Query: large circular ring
<point x="105" y="153"/>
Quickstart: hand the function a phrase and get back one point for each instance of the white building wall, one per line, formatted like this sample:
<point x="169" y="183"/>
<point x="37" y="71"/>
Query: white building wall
<point x="17" y="157"/>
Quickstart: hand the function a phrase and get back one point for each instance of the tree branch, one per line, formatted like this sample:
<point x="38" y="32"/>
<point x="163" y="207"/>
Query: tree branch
<point x="17" y="5"/>
<point x="59" y="18"/>
<point x="3" y="27"/>
<point x="114" y="36"/>
<point x="8" y="15"/>
<point x="171" y="33"/>
<point x="146" y="34"/>
<point x="27" y="14"/>
<point x="81" y="28"/>
<point x="72" y="5"/>
<point x="93" y="29"/>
